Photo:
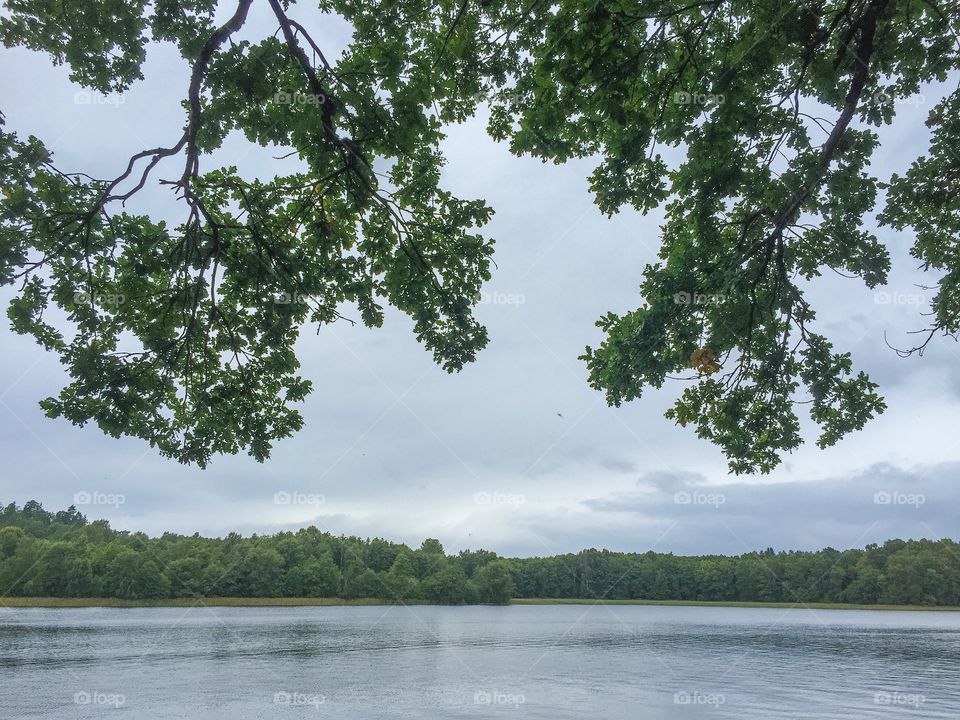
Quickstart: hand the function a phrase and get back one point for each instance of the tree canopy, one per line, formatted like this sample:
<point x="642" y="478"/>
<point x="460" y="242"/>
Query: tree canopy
<point x="771" y="107"/>
<point x="184" y="335"/>
<point x="772" y="104"/>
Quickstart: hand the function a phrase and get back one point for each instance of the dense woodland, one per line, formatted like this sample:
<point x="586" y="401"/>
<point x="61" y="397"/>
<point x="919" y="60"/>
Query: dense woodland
<point x="61" y="554"/>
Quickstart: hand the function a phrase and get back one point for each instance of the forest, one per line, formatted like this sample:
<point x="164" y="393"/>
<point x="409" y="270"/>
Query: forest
<point x="62" y="554"/>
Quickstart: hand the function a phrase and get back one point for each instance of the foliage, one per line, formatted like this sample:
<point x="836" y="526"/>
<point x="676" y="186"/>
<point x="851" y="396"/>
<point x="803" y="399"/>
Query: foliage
<point x="57" y="555"/>
<point x="184" y="336"/>
<point x="749" y="122"/>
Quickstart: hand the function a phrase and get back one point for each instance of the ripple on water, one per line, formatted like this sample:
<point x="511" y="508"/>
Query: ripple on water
<point x="556" y="662"/>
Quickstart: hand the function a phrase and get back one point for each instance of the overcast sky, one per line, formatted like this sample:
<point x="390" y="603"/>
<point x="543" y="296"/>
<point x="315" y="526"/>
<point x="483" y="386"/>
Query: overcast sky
<point x="516" y="453"/>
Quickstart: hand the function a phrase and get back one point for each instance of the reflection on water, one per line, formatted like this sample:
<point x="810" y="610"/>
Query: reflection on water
<point x="554" y="662"/>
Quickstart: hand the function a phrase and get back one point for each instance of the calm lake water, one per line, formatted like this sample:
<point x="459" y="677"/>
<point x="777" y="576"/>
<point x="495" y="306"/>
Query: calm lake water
<point x="551" y="662"/>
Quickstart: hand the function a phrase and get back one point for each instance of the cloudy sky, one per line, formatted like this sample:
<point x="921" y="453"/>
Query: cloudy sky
<point x="516" y="453"/>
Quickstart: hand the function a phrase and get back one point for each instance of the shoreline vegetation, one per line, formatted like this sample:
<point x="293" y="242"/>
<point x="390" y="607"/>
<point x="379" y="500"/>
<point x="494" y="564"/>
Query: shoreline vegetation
<point x="71" y="602"/>
<point x="61" y="559"/>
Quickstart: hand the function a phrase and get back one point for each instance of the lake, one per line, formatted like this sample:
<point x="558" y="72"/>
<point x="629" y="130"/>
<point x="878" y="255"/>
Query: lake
<point x="556" y="662"/>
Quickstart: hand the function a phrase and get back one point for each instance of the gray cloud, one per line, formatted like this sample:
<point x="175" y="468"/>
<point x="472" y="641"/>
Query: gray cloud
<point x="879" y="503"/>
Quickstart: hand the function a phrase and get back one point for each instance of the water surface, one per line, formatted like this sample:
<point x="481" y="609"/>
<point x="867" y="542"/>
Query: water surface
<point x="551" y="662"/>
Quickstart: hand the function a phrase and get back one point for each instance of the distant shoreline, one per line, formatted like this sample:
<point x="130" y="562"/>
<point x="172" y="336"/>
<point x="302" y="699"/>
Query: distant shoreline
<point x="736" y="604"/>
<point x="55" y="602"/>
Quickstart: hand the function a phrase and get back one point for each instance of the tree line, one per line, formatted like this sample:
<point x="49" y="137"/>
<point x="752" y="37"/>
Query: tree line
<point x="62" y="554"/>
